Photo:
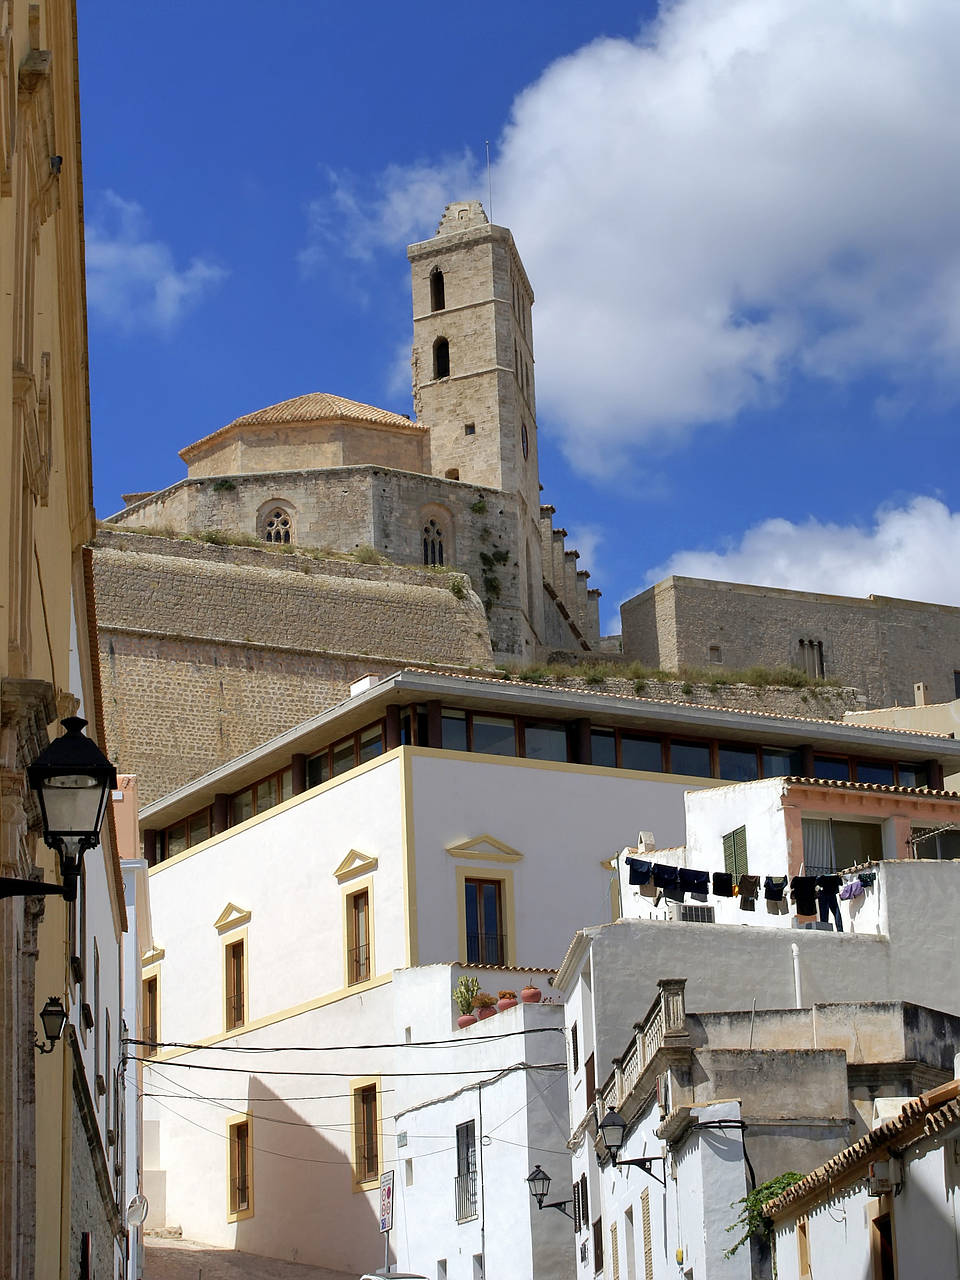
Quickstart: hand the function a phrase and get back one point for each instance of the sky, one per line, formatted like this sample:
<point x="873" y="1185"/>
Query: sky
<point x="740" y="218"/>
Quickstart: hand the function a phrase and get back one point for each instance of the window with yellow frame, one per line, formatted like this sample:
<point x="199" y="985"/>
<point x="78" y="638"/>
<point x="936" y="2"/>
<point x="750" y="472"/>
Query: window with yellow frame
<point x="366" y="1133"/>
<point x="239" y="1168"/>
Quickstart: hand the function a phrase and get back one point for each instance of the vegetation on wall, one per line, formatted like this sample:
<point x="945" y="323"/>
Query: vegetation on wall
<point x="752" y="1221"/>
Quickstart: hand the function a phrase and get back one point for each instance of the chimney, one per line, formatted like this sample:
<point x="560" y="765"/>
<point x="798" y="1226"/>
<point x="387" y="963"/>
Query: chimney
<point x="920" y="694"/>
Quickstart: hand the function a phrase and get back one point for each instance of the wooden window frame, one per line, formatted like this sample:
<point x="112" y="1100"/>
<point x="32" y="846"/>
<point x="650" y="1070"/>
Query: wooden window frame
<point x="327" y="751"/>
<point x="235" y="1125"/>
<point x="163" y="834"/>
<point x="230" y="942"/>
<point x="147" y="977"/>
<point x="477" y="884"/>
<point x="352" y="890"/>
<point x="363" y="1180"/>
<point x="507" y="912"/>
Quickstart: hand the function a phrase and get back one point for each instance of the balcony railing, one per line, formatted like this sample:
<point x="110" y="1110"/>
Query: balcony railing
<point x="359" y="964"/>
<point x="235" y="1010"/>
<point x="664" y="1023"/>
<point x="465" y="1194"/>
<point x="486" y="948"/>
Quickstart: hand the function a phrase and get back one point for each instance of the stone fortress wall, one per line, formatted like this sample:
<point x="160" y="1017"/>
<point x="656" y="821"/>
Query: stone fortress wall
<point x="881" y="645"/>
<point x="207" y="651"/>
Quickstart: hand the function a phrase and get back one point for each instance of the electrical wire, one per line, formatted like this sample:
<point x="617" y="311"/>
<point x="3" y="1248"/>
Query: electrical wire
<point x="344" y="1075"/>
<point x="338" y="1048"/>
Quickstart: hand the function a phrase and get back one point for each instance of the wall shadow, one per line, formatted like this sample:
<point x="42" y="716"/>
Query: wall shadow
<point x="305" y="1208"/>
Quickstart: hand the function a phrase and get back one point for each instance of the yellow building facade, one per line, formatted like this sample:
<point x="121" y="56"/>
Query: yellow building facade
<point x="46" y="672"/>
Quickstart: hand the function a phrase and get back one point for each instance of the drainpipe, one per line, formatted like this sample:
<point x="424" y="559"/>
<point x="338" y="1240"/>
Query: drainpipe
<point x="798" y="995"/>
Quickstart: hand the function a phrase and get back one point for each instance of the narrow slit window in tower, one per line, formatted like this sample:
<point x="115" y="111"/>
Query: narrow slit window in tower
<point x="441" y="358"/>
<point x="437" y="298"/>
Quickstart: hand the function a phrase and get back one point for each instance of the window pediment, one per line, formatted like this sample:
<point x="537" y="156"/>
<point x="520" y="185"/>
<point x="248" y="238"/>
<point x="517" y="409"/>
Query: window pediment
<point x="355" y="864"/>
<point x="231" y="917"/>
<point x="484" y="848"/>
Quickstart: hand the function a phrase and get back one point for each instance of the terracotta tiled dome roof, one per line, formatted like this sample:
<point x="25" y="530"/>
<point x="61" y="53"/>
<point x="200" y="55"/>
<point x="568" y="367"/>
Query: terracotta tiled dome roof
<point x="315" y="406"/>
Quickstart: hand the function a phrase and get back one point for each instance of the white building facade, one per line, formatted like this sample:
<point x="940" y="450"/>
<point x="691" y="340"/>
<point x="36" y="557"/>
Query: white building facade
<point x="313" y="904"/>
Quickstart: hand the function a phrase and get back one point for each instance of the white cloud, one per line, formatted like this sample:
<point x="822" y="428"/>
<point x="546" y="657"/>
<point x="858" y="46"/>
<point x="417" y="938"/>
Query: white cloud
<point x="911" y="551"/>
<point x="406" y="204"/>
<point x="751" y="190"/>
<point x="133" y="282"/>
<point x="585" y="538"/>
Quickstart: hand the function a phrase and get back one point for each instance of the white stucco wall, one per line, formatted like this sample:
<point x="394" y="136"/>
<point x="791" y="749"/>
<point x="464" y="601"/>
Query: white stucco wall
<point x="520" y="1118"/>
<point x="924" y="1216"/>
<point x="280" y="869"/>
<point x="564" y="820"/>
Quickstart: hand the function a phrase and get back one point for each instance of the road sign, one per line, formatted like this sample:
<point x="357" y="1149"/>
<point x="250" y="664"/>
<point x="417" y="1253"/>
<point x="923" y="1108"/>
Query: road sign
<point x="386" y="1201"/>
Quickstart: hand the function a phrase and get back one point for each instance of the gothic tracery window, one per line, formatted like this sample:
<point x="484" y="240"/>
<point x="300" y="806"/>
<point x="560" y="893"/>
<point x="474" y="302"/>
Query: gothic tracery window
<point x="432" y="543"/>
<point x="277" y="526"/>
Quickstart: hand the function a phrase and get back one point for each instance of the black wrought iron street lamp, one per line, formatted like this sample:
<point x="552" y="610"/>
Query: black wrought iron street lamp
<point x="613" y="1129"/>
<point x="73" y="780"/>
<point x="53" y="1017"/>
<point x="539" y="1184"/>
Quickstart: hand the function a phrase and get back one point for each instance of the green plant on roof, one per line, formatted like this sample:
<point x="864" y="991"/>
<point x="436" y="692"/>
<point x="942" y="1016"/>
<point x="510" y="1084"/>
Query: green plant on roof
<point x="464" y="994"/>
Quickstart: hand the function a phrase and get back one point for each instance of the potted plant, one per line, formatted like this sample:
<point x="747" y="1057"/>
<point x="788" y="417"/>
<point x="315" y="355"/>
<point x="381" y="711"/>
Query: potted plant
<point x="463" y="996"/>
<point x="507" y="1000"/>
<point x="531" y="995"/>
<point x="485" y="1005"/>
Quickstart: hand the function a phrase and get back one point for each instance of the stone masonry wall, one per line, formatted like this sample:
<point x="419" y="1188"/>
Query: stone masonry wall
<point x="348" y="507"/>
<point x="88" y="1213"/>
<point x="880" y="645"/>
<point x="208" y="651"/>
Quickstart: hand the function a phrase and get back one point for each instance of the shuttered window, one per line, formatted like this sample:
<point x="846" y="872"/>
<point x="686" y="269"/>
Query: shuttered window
<point x="598" y="1247"/>
<point x="584" y="1205"/>
<point x="647" y="1235"/>
<point x="735" y="852"/>
<point x="576" y="1208"/>
<point x="614" y="1252"/>
<point x="575" y="1047"/>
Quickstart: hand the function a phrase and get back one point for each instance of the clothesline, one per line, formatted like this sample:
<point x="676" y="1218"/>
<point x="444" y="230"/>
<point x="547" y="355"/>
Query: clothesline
<point x="810" y="893"/>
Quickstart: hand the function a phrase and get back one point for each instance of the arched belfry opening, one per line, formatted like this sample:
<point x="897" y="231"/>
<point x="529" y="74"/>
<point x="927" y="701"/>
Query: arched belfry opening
<point x="441" y="358"/>
<point x="438" y="300"/>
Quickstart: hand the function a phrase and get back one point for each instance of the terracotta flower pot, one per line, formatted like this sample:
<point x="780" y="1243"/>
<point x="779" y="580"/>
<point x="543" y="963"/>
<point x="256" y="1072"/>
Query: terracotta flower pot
<point x="531" y="995"/>
<point x="506" y="1003"/>
<point x="466" y="1020"/>
<point x="488" y="1012"/>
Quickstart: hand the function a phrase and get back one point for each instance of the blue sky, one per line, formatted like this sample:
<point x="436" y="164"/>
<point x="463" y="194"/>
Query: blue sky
<point x="741" y="219"/>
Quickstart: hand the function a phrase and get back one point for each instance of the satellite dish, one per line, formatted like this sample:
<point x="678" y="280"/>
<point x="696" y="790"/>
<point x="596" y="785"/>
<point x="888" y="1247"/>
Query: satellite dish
<point x="137" y="1210"/>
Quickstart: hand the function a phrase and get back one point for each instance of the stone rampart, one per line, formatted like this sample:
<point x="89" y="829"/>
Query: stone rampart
<point x="208" y="651"/>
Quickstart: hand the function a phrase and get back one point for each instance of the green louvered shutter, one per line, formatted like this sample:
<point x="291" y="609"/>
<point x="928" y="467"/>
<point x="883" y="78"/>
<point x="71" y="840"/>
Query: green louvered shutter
<point x="735" y="852"/>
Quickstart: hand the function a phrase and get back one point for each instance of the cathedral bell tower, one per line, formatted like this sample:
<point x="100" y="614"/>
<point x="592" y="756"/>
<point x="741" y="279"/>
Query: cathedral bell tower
<point x="473" y="355"/>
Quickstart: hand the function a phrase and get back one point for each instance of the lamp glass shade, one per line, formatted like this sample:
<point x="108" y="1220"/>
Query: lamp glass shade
<point x="53" y="1018"/>
<point x="73" y="780"/>
<point x="612" y="1129"/>
<point x="539" y="1184"/>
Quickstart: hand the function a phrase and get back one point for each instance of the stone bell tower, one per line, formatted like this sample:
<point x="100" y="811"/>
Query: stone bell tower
<point x="473" y="377"/>
<point x="473" y="354"/>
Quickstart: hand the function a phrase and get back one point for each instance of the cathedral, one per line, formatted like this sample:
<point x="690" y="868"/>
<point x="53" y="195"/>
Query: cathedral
<point x="196" y="600"/>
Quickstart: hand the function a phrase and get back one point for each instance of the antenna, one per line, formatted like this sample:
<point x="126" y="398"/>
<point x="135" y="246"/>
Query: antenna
<point x="489" y="181"/>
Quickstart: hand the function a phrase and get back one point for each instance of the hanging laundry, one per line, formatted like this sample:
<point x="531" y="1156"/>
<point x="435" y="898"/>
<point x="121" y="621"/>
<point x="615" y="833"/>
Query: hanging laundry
<point x="805" y="894"/>
<point x="852" y="889"/>
<point x="696" y="883"/>
<point x="774" y="887"/>
<point x="748" y="887"/>
<point x="723" y="884"/>
<point x="867" y="879"/>
<point x="641" y="876"/>
<point x="668" y="880"/>
<point x="827" y="887"/>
